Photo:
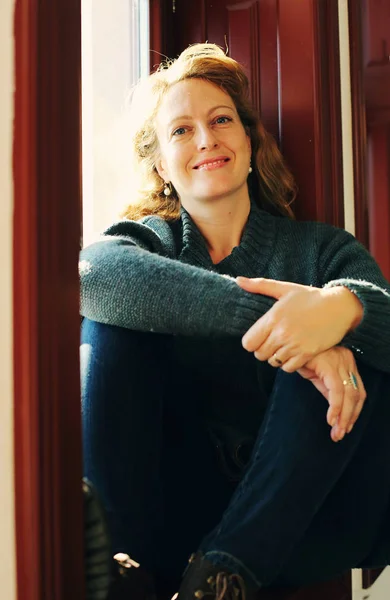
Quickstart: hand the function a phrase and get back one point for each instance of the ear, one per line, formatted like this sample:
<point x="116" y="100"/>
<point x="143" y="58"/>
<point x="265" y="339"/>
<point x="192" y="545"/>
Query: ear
<point x="161" y="170"/>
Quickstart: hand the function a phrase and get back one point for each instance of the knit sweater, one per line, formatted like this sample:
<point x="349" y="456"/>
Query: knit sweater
<point x="157" y="276"/>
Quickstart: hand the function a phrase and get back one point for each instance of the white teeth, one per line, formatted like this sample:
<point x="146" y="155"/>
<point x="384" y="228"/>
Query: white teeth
<point x="216" y="162"/>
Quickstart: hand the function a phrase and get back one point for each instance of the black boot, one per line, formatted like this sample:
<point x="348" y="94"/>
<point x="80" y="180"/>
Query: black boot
<point x="203" y="579"/>
<point x="130" y="581"/>
<point x="97" y="546"/>
<point x="108" y="577"/>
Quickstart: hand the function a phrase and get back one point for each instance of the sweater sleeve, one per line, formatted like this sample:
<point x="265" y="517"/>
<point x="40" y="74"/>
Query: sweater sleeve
<point x="127" y="283"/>
<point x="345" y="262"/>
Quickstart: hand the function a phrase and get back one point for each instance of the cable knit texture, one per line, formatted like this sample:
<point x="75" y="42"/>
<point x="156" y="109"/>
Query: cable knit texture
<point x="152" y="275"/>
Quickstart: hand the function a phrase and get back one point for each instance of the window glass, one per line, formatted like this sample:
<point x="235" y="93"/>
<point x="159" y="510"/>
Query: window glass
<point x="115" y="54"/>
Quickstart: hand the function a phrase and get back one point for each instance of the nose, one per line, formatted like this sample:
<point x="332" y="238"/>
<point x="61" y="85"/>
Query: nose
<point x="206" y="139"/>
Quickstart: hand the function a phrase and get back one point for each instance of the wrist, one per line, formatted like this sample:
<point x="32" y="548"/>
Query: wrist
<point x="350" y="305"/>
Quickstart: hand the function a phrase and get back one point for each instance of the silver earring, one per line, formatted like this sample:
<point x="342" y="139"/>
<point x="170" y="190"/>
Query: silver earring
<point x="167" y="189"/>
<point x="250" y="169"/>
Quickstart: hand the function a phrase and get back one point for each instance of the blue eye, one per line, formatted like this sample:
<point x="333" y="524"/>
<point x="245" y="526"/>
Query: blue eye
<point x="222" y="120"/>
<point x="179" y="131"/>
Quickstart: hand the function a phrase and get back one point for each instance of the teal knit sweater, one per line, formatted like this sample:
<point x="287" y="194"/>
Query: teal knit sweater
<point x="156" y="276"/>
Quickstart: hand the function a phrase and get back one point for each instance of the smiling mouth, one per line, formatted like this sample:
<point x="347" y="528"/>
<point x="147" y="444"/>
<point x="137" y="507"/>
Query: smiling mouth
<point x="210" y="166"/>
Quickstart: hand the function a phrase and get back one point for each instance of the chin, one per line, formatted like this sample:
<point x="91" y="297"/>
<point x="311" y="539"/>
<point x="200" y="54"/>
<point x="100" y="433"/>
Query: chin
<point x="215" y="193"/>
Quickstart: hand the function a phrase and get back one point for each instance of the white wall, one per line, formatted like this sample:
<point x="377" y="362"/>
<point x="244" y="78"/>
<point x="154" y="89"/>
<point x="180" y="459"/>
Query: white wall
<point x="7" y="543"/>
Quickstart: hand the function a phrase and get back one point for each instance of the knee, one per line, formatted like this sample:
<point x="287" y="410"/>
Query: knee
<point x="112" y="356"/>
<point x="110" y="343"/>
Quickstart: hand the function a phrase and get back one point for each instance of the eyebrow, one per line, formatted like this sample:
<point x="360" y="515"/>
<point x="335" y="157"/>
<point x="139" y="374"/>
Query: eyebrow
<point x="209" y="113"/>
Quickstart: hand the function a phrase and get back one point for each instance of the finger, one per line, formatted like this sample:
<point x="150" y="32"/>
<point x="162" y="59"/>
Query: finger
<point x="351" y="400"/>
<point x="336" y="399"/>
<point x="278" y="358"/>
<point x="269" y="348"/>
<point x="294" y="362"/>
<point x="256" y="335"/>
<point x="356" y="414"/>
<point x="360" y="404"/>
<point x="267" y="287"/>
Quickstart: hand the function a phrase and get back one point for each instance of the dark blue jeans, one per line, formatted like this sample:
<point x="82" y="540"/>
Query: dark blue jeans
<point x="307" y="508"/>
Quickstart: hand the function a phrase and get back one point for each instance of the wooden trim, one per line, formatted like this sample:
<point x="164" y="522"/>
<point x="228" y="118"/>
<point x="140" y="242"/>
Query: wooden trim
<point x="27" y="514"/>
<point x="47" y="184"/>
<point x="359" y="126"/>
<point x="329" y="111"/>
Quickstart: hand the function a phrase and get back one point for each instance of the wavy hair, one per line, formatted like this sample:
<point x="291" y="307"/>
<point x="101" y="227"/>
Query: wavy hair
<point x="270" y="184"/>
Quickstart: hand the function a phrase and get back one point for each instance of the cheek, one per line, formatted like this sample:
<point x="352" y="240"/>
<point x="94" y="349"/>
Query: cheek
<point x="178" y="160"/>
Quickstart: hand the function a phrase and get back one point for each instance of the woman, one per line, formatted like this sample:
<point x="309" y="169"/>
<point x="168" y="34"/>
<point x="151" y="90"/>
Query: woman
<point x="225" y="347"/>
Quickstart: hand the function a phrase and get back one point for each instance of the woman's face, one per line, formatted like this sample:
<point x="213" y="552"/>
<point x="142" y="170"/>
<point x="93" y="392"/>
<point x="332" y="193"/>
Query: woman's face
<point x="204" y="149"/>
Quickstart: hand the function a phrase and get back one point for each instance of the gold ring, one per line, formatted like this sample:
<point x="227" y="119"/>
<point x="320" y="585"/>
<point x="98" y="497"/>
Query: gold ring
<point x="277" y="360"/>
<point x="351" y="380"/>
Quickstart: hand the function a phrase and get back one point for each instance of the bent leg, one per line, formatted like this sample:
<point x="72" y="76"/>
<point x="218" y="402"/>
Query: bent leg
<point x="294" y="468"/>
<point x="146" y="449"/>
<point x="122" y="390"/>
<point x="347" y="529"/>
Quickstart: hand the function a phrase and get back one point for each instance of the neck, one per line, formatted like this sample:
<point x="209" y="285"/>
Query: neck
<point x="222" y="224"/>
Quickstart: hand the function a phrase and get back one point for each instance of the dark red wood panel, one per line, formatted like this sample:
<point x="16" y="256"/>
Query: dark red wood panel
<point x="239" y="16"/>
<point x="157" y="28"/>
<point x="47" y="184"/>
<point x="188" y="24"/>
<point x="269" y="67"/>
<point x="298" y="100"/>
<point x="379" y="194"/>
<point x="376" y="23"/>
<point x="244" y="36"/>
<point x="217" y="23"/>
<point x="376" y="60"/>
<point x="370" y="69"/>
<point x="310" y="113"/>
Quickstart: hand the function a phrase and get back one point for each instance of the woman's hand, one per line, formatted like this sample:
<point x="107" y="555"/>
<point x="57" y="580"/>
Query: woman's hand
<point x="304" y="321"/>
<point x="330" y="372"/>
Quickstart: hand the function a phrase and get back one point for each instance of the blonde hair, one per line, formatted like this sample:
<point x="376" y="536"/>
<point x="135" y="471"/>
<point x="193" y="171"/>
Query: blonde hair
<point x="270" y="184"/>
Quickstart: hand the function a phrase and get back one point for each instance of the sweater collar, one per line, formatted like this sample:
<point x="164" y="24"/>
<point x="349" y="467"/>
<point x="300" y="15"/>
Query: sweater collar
<point x="252" y="254"/>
